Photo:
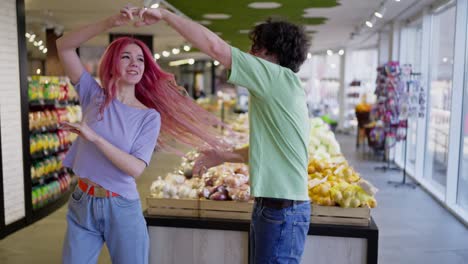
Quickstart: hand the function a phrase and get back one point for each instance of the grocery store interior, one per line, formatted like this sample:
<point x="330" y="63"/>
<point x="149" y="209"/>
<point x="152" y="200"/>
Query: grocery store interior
<point x="387" y="93"/>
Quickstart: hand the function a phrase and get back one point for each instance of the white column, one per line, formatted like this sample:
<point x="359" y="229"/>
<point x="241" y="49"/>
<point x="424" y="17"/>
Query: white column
<point x="456" y="113"/>
<point x="384" y="46"/>
<point x="425" y="80"/>
<point x="341" y="93"/>
<point x="396" y="29"/>
<point x="10" y="114"/>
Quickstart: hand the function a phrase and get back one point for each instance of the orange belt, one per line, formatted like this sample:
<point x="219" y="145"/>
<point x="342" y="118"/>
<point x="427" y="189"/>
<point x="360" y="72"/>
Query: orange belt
<point x="95" y="190"/>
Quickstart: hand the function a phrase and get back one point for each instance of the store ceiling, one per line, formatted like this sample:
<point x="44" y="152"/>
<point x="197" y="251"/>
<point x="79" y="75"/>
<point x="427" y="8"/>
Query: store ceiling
<point x="329" y="22"/>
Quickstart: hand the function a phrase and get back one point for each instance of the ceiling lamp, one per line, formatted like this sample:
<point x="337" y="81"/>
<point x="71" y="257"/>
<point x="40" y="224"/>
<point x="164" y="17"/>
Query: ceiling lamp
<point x="155" y="5"/>
<point x="264" y="5"/>
<point x="309" y="55"/>
<point x="341" y="52"/>
<point x="330" y="52"/>
<point x="191" y="61"/>
<point x="157" y="56"/>
<point x="44" y="50"/>
<point x="369" y="24"/>
<point x="175" y="51"/>
<point x="217" y="16"/>
<point x="186" y="47"/>
<point x="216" y="63"/>
<point x="377" y="14"/>
<point x="166" y="53"/>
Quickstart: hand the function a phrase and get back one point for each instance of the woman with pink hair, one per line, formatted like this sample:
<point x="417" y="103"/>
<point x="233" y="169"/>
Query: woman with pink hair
<point x="120" y="129"/>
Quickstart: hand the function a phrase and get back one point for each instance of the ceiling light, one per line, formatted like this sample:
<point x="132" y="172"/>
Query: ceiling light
<point x="217" y="16"/>
<point x="157" y="56"/>
<point x="166" y="53"/>
<point x="186" y="47"/>
<point x="330" y="52"/>
<point x="216" y="63"/>
<point x="36" y="43"/>
<point x="341" y="52"/>
<point x="445" y="59"/>
<point x="179" y="62"/>
<point x="397" y="0"/>
<point x="377" y="14"/>
<point x="41" y="47"/>
<point x="33" y="36"/>
<point x="44" y="50"/>
<point x="155" y="5"/>
<point x="264" y="5"/>
<point x="369" y="24"/>
<point x="38" y="71"/>
<point x="175" y="51"/>
<point x="244" y="31"/>
<point x="205" y="22"/>
<point x="191" y="61"/>
<point x="309" y="55"/>
<point x="27" y="35"/>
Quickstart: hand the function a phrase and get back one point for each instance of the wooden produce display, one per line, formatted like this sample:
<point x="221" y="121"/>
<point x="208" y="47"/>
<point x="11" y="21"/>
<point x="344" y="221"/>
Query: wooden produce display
<point x="335" y="215"/>
<point x="226" y="209"/>
<point x="173" y="207"/>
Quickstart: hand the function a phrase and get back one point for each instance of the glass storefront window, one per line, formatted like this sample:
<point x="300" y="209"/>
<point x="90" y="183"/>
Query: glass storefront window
<point x="325" y="85"/>
<point x="462" y="194"/>
<point x="411" y="43"/>
<point x="440" y="92"/>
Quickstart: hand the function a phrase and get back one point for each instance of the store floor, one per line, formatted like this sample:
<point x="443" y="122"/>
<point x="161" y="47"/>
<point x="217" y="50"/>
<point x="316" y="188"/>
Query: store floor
<point x="414" y="228"/>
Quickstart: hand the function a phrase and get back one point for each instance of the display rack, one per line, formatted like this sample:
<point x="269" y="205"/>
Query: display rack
<point x="411" y="99"/>
<point x="51" y="101"/>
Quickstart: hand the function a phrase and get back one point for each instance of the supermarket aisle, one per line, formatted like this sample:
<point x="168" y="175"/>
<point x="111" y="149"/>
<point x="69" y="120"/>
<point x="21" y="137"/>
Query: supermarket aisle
<point x="414" y="228"/>
<point x="41" y="243"/>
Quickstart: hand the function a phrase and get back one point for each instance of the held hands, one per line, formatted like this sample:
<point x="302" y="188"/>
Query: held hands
<point x="81" y="129"/>
<point x="146" y="16"/>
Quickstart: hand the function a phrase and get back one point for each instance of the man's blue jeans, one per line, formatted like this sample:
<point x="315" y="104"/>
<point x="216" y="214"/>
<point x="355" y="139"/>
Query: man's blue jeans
<point x="278" y="235"/>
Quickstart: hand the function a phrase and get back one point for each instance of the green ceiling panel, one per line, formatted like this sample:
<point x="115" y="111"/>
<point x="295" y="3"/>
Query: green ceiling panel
<point x="244" y="17"/>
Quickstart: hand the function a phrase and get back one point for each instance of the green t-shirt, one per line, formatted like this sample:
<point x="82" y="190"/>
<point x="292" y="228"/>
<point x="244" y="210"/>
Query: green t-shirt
<point x="279" y="127"/>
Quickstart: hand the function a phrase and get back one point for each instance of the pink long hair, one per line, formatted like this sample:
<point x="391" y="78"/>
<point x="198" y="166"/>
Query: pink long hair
<point x="181" y="118"/>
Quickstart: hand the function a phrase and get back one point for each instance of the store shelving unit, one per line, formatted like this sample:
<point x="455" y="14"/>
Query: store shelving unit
<point x="50" y="184"/>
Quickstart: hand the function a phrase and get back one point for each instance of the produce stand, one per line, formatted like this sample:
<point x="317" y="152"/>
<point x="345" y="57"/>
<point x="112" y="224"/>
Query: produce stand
<point x="208" y="240"/>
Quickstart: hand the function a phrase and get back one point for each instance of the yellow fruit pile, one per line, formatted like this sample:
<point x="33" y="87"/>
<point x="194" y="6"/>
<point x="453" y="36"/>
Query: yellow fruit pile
<point x="332" y="184"/>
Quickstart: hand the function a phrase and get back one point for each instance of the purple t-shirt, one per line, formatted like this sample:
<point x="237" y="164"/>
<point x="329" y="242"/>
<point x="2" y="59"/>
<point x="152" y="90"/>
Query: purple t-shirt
<point x="130" y="129"/>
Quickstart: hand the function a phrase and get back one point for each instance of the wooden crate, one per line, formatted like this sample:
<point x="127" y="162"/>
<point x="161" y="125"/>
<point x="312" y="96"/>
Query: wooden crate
<point x="335" y="215"/>
<point x="173" y="207"/>
<point x="226" y="209"/>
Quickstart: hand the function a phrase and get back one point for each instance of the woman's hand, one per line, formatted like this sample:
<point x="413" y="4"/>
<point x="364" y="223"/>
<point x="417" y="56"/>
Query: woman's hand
<point x="124" y="17"/>
<point x="148" y="16"/>
<point x="81" y="129"/>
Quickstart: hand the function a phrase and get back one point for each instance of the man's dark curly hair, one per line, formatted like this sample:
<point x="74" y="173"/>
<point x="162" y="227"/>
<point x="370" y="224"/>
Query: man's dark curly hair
<point x="285" y="40"/>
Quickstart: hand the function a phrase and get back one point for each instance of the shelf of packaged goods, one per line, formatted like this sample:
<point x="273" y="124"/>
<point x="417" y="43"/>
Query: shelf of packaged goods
<point x="45" y="129"/>
<point x="46" y="178"/>
<point x="44" y="103"/>
<point x="51" y="207"/>
<point x="47" y="153"/>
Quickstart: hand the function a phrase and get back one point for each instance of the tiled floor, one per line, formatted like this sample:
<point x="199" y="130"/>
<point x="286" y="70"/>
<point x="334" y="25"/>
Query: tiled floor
<point x="413" y="227"/>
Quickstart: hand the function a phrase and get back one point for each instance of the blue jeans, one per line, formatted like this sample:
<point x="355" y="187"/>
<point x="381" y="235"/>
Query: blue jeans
<point x="278" y="235"/>
<point x="117" y="221"/>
